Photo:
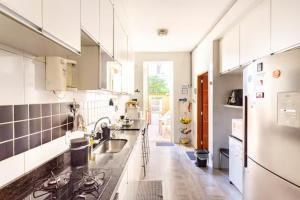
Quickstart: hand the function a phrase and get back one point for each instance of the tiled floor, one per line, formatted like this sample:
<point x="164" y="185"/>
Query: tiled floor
<point x="182" y="180"/>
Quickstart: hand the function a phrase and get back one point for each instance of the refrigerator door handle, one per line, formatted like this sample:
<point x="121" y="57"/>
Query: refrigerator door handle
<point x="245" y="130"/>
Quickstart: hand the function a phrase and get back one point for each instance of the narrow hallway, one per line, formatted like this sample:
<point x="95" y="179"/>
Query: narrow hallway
<point x="181" y="179"/>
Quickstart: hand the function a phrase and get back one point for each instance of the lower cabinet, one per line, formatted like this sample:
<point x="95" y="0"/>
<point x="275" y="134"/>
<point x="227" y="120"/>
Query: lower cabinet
<point x="236" y="162"/>
<point x="128" y="185"/>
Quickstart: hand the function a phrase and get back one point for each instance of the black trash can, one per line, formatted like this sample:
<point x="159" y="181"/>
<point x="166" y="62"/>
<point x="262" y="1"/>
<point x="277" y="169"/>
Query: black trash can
<point x="201" y="157"/>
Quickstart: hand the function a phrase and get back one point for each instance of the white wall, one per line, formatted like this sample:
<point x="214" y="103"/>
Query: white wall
<point x="22" y="81"/>
<point x="201" y="62"/>
<point x="206" y="58"/>
<point x="181" y="75"/>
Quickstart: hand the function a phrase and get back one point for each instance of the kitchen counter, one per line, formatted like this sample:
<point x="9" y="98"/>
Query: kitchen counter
<point x="116" y="162"/>
<point x="112" y="163"/>
<point x="137" y="125"/>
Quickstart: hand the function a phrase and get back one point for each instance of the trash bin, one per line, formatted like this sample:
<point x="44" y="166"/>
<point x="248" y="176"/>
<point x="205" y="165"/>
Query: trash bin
<point x="202" y="156"/>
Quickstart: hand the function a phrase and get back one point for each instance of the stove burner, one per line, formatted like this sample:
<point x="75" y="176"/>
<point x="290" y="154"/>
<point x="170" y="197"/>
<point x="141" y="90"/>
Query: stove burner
<point x="50" y="186"/>
<point x="53" y="180"/>
<point x="89" y="185"/>
<point x="89" y="181"/>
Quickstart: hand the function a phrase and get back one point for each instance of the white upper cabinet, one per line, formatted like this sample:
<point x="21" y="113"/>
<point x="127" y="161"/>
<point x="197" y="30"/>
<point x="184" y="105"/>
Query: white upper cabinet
<point x="230" y="50"/>
<point x="90" y="18"/>
<point x="285" y="23"/>
<point x="120" y="42"/>
<point x="31" y="10"/>
<point x="61" y="19"/>
<point x="255" y="33"/>
<point x="107" y="26"/>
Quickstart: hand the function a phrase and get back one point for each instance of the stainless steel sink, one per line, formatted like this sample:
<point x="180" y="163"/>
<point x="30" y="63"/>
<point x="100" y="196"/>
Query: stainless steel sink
<point x="111" y="146"/>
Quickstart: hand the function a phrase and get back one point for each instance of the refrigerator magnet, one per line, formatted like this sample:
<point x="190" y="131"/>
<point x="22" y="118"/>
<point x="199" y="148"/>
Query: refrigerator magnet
<point x="276" y="73"/>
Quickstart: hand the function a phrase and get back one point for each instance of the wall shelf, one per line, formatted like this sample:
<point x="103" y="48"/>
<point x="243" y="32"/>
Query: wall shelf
<point x="232" y="106"/>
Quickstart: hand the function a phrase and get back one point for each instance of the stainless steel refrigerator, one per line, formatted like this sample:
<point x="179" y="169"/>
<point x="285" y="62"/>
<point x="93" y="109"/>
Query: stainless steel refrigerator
<point x="272" y="127"/>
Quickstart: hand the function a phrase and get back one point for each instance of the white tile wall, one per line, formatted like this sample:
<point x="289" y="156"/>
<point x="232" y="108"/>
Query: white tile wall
<point x="11" y="78"/>
<point x="22" y="81"/>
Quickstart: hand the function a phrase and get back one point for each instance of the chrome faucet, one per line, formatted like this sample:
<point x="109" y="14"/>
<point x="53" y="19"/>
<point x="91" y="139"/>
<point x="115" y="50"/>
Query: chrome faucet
<point x="102" y="118"/>
<point x="96" y="124"/>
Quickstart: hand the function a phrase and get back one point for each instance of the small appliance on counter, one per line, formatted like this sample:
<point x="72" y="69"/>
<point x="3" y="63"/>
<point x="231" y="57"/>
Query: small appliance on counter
<point x="79" y="152"/>
<point x="133" y="110"/>
<point x="236" y="97"/>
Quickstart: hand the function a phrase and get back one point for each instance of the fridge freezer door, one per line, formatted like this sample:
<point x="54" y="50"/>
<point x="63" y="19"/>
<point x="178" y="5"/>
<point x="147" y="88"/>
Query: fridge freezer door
<point x="261" y="184"/>
<point x="273" y="143"/>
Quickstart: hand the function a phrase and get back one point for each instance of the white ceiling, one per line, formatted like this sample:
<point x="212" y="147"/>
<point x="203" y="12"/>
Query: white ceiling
<point x="188" y="21"/>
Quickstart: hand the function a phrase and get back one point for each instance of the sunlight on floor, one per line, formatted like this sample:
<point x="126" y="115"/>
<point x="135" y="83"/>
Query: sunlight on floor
<point x="182" y="180"/>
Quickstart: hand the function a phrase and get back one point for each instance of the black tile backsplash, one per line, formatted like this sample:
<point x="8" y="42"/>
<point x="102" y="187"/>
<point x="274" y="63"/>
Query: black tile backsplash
<point x="55" y="133"/>
<point x="63" y="119"/>
<point x="63" y="130"/>
<point x="35" y="140"/>
<point x="64" y="108"/>
<point x="46" y="110"/>
<point x="6" y="150"/>
<point x="46" y="136"/>
<point x="23" y="127"/>
<point x="55" y="108"/>
<point x="55" y="120"/>
<point x="6" y="114"/>
<point x="34" y="111"/>
<point x="70" y="118"/>
<point x="46" y="123"/>
<point x="35" y="125"/>
<point x="21" y="145"/>
<point x="6" y="132"/>
<point x="20" y="112"/>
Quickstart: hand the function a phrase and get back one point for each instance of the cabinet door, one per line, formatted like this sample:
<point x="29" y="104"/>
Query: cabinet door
<point x="90" y="15"/>
<point x="31" y="10"/>
<point x="118" y="40"/>
<point x="134" y="169"/>
<point x="123" y="186"/>
<point x="285" y="31"/>
<point x="61" y="19"/>
<point x="255" y="33"/>
<point x="121" y="46"/>
<point x="107" y="26"/>
<point x="229" y="50"/>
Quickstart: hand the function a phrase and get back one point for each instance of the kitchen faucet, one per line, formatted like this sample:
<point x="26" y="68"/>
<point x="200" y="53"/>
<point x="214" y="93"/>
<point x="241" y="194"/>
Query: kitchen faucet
<point x="102" y="126"/>
<point x="94" y="134"/>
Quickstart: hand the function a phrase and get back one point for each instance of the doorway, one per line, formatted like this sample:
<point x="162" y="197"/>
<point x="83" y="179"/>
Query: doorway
<point x="202" y="111"/>
<point x="159" y="89"/>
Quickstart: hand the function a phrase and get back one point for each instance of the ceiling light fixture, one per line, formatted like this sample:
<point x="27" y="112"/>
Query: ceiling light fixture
<point x="162" y="32"/>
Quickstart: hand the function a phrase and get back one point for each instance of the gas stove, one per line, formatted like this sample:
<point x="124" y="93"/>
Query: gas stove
<point x="72" y="184"/>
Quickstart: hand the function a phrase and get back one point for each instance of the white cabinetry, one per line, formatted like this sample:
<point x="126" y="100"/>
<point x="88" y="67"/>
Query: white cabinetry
<point x="134" y="169"/>
<point x="88" y="68"/>
<point x="120" y="42"/>
<point x="230" y="50"/>
<point x="128" y="185"/>
<point x="236" y="160"/>
<point x="255" y="33"/>
<point x="107" y="26"/>
<point x="61" y="20"/>
<point x="31" y="10"/>
<point x="285" y="23"/>
<point x="90" y="15"/>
